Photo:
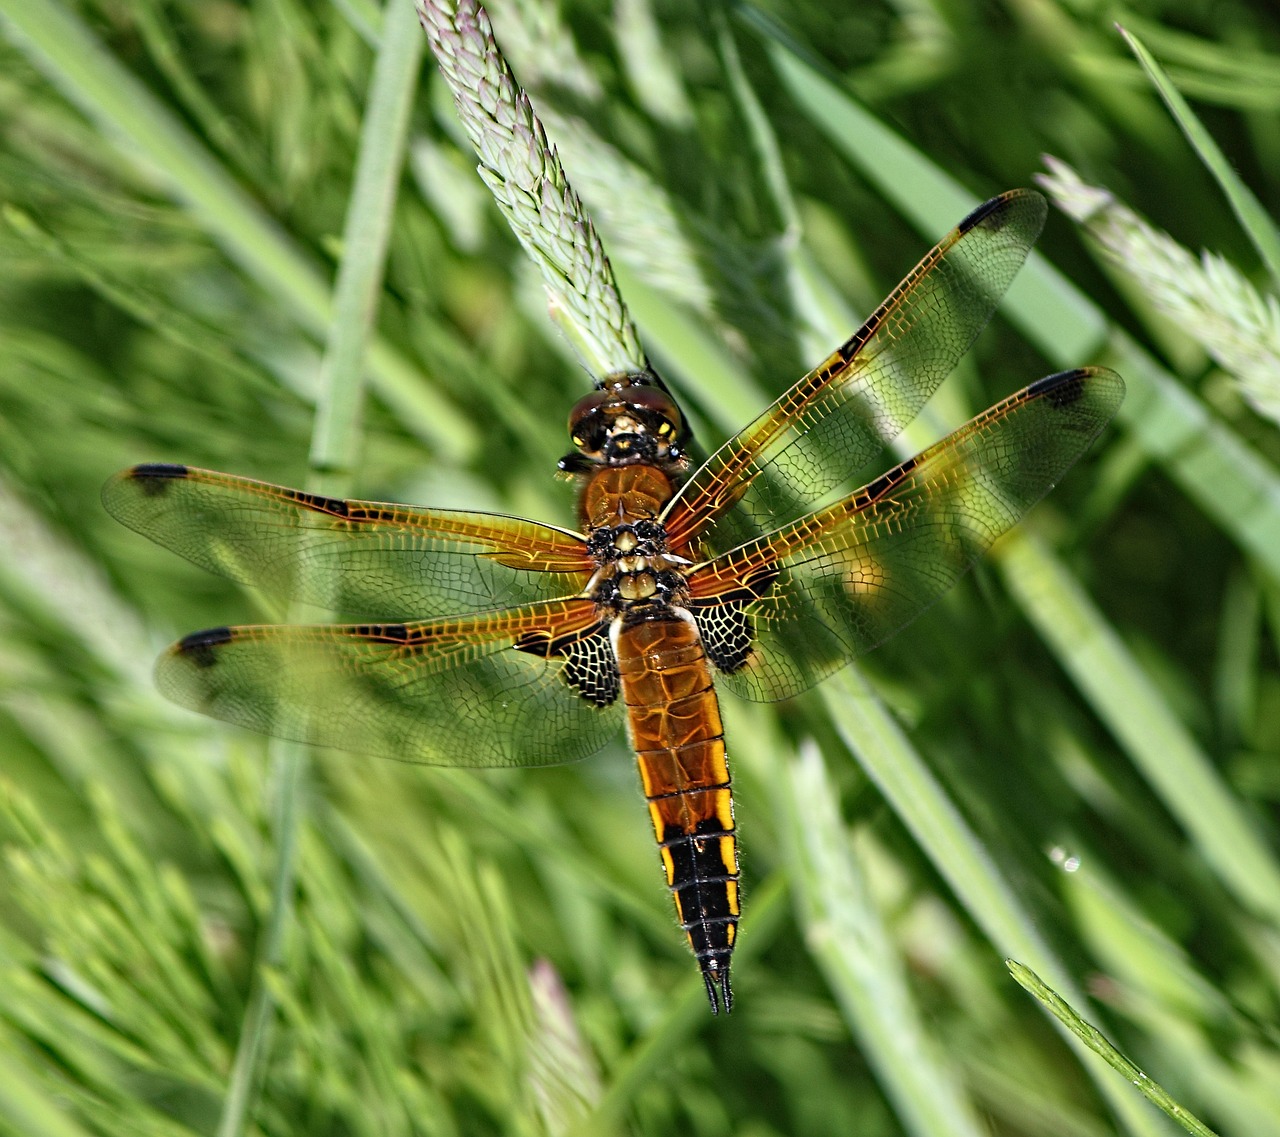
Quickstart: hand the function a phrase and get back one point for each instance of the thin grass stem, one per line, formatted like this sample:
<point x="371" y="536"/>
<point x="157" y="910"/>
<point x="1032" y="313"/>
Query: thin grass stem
<point x="1096" y="1041"/>
<point x="1255" y="220"/>
<point x="954" y="849"/>
<point x="148" y="133"/>
<point x="335" y="445"/>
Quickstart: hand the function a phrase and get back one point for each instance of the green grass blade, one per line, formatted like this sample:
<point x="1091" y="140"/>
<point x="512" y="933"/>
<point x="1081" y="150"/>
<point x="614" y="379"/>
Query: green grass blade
<point x="288" y="768"/>
<point x="1162" y="748"/>
<point x="864" y="967"/>
<point x="61" y="46"/>
<point x="24" y="1110"/>
<point x="1212" y="465"/>
<point x="383" y="138"/>
<point x="1097" y="1042"/>
<point x="1255" y="220"/>
<point x="335" y="445"/>
<point x="920" y="802"/>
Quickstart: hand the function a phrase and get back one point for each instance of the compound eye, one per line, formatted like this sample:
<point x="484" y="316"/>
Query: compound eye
<point x="659" y="410"/>
<point x="586" y="421"/>
<point x="590" y="435"/>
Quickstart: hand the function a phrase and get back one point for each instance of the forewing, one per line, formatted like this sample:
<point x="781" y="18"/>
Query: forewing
<point x="487" y="690"/>
<point x="838" y="417"/>
<point x="362" y="558"/>
<point x="782" y="612"/>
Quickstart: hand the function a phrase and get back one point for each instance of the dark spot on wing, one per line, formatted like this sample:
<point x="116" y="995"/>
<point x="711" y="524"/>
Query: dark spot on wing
<point x="200" y="647"/>
<point x="366" y="513"/>
<point x="979" y="215"/>
<point x="886" y="482"/>
<point x="590" y="667"/>
<point x="1061" y="390"/>
<point x="398" y="633"/>
<point x="153" y="477"/>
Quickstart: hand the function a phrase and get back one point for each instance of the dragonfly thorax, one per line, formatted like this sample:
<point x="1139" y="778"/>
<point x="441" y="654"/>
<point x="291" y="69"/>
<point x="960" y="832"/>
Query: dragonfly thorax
<point x="636" y="567"/>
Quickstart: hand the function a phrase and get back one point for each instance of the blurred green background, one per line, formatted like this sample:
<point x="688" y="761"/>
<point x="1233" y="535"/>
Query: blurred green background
<point x="1073" y="760"/>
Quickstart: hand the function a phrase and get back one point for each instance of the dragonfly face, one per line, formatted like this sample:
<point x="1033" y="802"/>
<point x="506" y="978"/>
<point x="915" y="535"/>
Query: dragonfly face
<point x="628" y="420"/>
<point x="499" y="641"/>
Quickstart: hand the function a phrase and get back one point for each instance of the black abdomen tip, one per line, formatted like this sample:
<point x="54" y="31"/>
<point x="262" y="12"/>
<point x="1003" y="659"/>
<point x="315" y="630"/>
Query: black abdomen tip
<point x="715" y="975"/>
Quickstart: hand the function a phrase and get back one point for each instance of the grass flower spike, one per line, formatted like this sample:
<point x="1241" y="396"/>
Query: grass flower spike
<point x="524" y="174"/>
<point x="1208" y="298"/>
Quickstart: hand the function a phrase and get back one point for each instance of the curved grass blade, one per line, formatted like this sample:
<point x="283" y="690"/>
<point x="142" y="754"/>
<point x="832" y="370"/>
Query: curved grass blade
<point x="1254" y="219"/>
<point x="1096" y="1041"/>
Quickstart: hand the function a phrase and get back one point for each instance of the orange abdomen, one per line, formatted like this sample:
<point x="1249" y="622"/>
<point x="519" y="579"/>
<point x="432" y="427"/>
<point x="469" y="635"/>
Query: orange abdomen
<point x="673" y="720"/>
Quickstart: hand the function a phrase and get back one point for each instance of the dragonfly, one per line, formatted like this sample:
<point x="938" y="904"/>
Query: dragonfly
<point x="496" y="641"/>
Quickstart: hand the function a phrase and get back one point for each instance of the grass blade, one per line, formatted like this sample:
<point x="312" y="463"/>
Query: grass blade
<point x="335" y="445"/>
<point x="1097" y="1042"/>
<point x="955" y="851"/>
<point x="383" y="138"/>
<point x="862" y="964"/>
<point x="1162" y="748"/>
<point x="59" y="44"/>
<point x="1253" y="217"/>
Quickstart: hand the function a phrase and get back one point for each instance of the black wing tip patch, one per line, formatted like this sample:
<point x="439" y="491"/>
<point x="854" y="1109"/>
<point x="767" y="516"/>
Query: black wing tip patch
<point x="152" y="478"/>
<point x="159" y="470"/>
<point x="979" y="215"/>
<point x="1061" y="390"/>
<point x="200" y="647"/>
<point x="997" y="212"/>
<point x="1067" y="388"/>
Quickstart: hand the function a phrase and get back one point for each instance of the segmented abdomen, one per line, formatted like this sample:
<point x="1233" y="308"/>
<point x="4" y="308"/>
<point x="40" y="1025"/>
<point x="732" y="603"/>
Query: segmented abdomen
<point x="673" y="720"/>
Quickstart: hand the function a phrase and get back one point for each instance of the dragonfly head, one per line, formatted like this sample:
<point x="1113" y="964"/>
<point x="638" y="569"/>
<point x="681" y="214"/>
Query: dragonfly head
<point x="626" y="422"/>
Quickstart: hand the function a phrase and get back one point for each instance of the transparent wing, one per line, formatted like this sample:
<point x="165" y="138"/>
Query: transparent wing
<point x="780" y="613"/>
<point x="370" y="559"/>
<point x="485" y="690"/>
<point x="838" y="417"/>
